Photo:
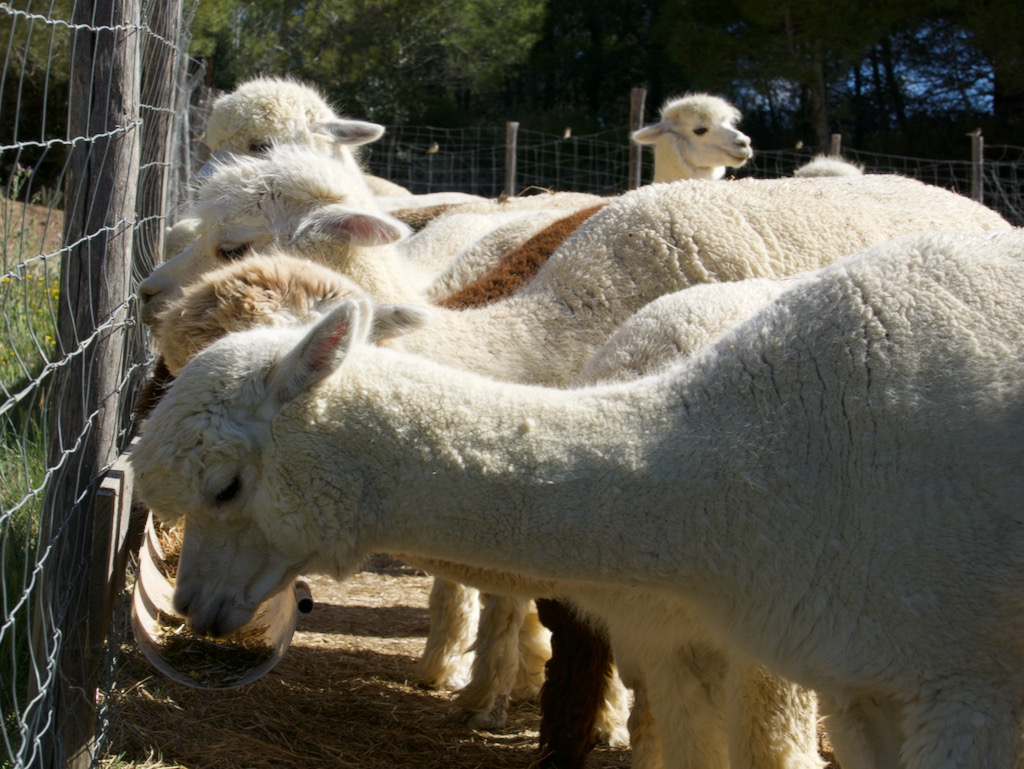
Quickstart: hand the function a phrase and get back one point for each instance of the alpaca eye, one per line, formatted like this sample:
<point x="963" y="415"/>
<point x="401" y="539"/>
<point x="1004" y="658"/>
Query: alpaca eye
<point x="228" y="493"/>
<point x="700" y="131"/>
<point x="259" y="148"/>
<point x="231" y="253"/>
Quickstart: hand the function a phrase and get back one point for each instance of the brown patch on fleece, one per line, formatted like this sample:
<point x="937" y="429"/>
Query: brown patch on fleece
<point x="262" y="289"/>
<point x="418" y="218"/>
<point x="519" y="265"/>
<point x="573" y="690"/>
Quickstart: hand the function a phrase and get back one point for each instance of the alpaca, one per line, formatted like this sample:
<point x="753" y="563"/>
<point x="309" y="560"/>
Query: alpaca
<point x="867" y="419"/>
<point x="271" y="288"/>
<point x="296" y="177"/>
<point x="265" y="111"/>
<point x="696" y="138"/>
<point x="739" y="228"/>
<point x="827" y="165"/>
<point x="746" y="698"/>
<point x="625" y="255"/>
<point x="277" y="289"/>
<point x="515" y="269"/>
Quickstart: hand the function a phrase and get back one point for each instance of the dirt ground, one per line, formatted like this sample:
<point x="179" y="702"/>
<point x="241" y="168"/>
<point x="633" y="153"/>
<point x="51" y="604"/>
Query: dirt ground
<point x="29" y="229"/>
<point x="342" y="696"/>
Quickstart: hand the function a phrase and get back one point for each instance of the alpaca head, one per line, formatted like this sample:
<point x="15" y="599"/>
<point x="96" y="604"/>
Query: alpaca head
<point x="269" y="289"/>
<point x="696" y="138"/>
<point x="826" y="165"/>
<point x="264" y="111"/>
<point x="293" y="198"/>
<point x="180" y="236"/>
<point x="205" y="449"/>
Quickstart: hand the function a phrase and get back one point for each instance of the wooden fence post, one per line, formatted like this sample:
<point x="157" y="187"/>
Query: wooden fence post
<point x="637" y="97"/>
<point x="511" y="140"/>
<point x="85" y="409"/>
<point x="835" y="148"/>
<point x="977" y="165"/>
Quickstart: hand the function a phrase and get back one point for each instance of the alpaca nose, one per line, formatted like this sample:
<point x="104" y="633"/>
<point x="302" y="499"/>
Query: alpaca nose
<point x="148" y="302"/>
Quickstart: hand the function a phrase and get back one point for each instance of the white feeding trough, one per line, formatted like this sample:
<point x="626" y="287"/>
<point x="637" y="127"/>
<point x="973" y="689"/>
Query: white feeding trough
<point x="207" y="663"/>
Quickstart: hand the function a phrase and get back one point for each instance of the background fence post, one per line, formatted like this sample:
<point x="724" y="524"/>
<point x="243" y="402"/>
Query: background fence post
<point x="161" y="85"/>
<point x="835" y="148"/>
<point x="977" y="165"/>
<point x="84" y="407"/>
<point x="637" y="98"/>
<point x="511" y="139"/>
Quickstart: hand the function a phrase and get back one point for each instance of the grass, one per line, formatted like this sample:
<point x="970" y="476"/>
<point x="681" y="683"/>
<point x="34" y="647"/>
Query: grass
<point x="29" y="231"/>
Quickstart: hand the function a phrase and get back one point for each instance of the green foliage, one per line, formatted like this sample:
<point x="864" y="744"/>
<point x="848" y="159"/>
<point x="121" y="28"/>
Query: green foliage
<point x="388" y="60"/>
<point x="882" y="73"/>
<point x="28" y="311"/>
<point x="34" y="86"/>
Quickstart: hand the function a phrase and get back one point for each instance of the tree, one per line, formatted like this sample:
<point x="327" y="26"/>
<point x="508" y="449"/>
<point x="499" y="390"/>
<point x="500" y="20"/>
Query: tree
<point x="387" y="60"/>
<point x="996" y="28"/>
<point x="589" y="57"/>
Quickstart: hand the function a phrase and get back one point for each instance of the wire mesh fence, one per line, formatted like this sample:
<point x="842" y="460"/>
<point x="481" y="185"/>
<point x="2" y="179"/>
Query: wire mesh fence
<point x="89" y="94"/>
<point x="427" y="159"/>
<point x="101" y="118"/>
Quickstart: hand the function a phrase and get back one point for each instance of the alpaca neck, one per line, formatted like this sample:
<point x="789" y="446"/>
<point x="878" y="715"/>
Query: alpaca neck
<point x="537" y="482"/>
<point x="380" y="270"/>
<point x="669" y="166"/>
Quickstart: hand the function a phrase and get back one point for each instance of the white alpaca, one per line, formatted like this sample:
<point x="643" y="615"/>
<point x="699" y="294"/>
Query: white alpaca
<point x="721" y="707"/>
<point x="833" y="487"/>
<point x="726" y="706"/>
<point x="696" y="138"/>
<point x="276" y="289"/>
<point x="265" y="111"/>
<point x="827" y="165"/>
<point x="642" y="245"/>
<point x="261" y="195"/>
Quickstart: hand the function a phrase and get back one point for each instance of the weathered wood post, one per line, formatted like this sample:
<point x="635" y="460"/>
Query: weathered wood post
<point x="511" y="140"/>
<point x="637" y="98"/>
<point x="977" y="165"/>
<point x="85" y="407"/>
<point x="835" y="147"/>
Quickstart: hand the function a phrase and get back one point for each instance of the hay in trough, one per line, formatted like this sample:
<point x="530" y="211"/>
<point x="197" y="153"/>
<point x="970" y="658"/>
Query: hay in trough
<point x="344" y="695"/>
<point x="206" y="662"/>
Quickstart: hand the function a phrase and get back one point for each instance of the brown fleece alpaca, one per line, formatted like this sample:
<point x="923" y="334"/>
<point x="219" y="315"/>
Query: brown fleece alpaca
<point x="518" y="265"/>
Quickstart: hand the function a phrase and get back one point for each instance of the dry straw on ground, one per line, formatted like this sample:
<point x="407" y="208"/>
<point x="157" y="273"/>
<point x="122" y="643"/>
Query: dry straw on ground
<point x="343" y="696"/>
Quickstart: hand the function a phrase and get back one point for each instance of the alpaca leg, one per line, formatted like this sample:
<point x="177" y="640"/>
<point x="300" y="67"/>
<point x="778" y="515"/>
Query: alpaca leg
<point x="686" y="692"/>
<point x="454" y="611"/>
<point x="772" y="723"/>
<point x="573" y="691"/>
<point x="484" y="701"/>
<point x="863" y="736"/>
<point x="954" y="727"/>
<point x="534" y="653"/>
<point x="643" y="732"/>
<point x="611" y="727"/>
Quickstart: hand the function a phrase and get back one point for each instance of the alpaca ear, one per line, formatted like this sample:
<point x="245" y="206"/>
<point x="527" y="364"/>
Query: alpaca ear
<point x="351" y="132"/>
<point x="347" y="225"/>
<point x="649" y="134"/>
<point x="394" y="320"/>
<point x="322" y="350"/>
